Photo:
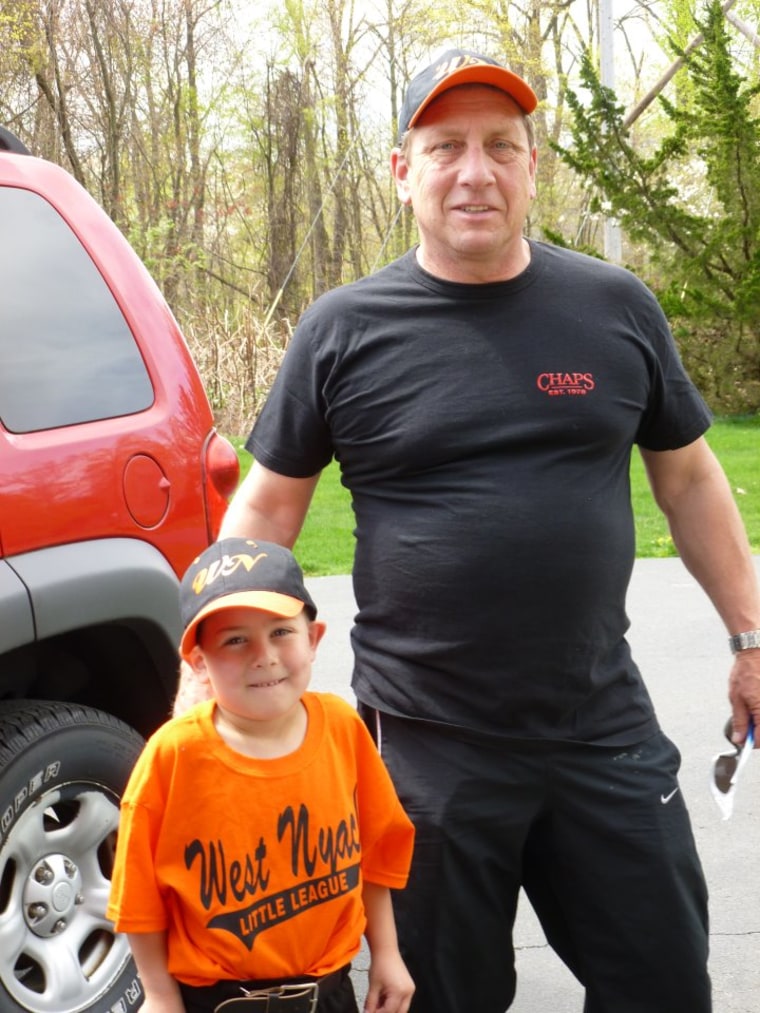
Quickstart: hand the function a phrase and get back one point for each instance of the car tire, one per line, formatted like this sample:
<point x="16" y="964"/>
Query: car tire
<point x="63" y="768"/>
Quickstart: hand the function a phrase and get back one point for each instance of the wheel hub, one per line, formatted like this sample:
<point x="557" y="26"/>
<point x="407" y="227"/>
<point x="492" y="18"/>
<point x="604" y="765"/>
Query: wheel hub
<point x="52" y="893"/>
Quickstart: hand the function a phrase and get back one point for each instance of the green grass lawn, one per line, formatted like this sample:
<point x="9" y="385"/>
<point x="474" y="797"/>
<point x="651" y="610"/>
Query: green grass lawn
<point x="326" y="542"/>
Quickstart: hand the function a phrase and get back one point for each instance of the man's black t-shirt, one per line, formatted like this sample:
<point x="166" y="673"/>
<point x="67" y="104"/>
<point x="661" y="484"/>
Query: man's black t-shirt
<point x="485" y="434"/>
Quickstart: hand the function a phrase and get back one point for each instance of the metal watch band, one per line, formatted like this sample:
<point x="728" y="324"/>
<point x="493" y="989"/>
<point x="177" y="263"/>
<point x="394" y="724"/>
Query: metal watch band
<point x="744" y="641"/>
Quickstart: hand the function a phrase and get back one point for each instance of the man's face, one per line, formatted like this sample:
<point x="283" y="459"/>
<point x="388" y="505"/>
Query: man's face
<point x="468" y="172"/>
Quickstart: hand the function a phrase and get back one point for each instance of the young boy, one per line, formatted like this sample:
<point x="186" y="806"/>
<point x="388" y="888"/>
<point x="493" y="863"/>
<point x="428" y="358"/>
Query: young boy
<point x="260" y="832"/>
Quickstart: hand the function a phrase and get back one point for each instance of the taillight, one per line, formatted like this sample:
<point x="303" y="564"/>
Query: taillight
<point x="222" y="474"/>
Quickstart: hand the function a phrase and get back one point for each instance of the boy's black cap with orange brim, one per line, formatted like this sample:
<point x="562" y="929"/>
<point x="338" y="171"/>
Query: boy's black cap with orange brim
<point x="241" y="572"/>
<point x="455" y="67"/>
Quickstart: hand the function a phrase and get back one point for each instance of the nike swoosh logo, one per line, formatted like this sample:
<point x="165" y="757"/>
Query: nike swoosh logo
<point x="666" y="798"/>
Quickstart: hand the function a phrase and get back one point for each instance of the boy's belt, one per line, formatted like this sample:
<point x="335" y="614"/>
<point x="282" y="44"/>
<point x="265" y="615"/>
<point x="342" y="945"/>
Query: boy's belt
<point x="290" y="997"/>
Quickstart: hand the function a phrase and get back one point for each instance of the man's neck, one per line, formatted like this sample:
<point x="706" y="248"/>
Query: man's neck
<point x="470" y="271"/>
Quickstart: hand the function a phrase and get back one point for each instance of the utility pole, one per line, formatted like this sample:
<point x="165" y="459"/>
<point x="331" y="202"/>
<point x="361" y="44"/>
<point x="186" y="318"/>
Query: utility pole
<point x="612" y="241"/>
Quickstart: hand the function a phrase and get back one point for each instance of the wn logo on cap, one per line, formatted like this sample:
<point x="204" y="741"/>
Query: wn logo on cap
<point x="225" y="567"/>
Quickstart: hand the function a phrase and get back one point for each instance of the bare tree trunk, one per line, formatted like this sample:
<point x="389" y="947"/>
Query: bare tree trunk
<point x="321" y="255"/>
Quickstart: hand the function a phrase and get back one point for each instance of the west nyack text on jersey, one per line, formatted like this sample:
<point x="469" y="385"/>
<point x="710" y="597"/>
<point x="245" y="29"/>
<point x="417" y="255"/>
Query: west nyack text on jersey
<point x="296" y="850"/>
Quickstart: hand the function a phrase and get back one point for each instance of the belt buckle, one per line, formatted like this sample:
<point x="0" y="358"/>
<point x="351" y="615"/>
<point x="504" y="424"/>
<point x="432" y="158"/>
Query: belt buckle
<point x="300" y="997"/>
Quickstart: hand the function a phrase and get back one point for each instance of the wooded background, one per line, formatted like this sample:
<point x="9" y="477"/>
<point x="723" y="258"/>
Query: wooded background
<point x="243" y="150"/>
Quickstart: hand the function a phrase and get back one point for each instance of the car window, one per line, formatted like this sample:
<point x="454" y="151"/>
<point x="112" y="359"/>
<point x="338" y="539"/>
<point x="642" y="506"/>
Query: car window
<point x="66" y="353"/>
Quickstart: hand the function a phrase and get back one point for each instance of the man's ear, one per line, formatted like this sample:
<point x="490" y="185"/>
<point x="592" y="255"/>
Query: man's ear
<point x="533" y="164"/>
<point x="400" y="173"/>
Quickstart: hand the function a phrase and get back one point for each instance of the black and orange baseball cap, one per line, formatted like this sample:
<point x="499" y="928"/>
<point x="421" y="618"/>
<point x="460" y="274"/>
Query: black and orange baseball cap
<point x="459" y="66"/>
<point x="241" y="572"/>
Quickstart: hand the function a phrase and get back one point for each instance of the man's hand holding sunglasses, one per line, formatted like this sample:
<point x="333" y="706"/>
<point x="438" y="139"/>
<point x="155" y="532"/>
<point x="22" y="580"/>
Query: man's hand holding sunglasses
<point x="740" y="730"/>
<point x="728" y="765"/>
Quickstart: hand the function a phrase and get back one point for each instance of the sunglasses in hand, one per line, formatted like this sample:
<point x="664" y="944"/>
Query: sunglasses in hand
<point x="726" y="768"/>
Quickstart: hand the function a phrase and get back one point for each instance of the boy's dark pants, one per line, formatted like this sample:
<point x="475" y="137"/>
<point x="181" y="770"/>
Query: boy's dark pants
<point x="599" y="838"/>
<point x="337" y="996"/>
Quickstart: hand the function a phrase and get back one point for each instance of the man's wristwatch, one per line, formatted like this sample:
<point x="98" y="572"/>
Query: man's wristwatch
<point x="744" y="641"/>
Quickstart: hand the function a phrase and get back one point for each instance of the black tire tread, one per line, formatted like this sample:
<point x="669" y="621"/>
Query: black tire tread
<point x="23" y="722"/>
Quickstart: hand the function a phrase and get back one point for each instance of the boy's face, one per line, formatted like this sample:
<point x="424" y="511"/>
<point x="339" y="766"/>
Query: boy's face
<point x="258" y="665"/>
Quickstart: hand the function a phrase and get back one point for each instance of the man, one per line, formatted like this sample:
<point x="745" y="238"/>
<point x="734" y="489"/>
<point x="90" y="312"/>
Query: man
<point x="482" y="395"/>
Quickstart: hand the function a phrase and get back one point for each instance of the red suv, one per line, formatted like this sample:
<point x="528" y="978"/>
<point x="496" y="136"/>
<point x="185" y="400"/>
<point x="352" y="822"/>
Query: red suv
<point x="112" y="478"/>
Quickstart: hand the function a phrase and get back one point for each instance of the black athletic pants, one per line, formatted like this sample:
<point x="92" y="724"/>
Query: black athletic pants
<point x="599" y="838"/>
